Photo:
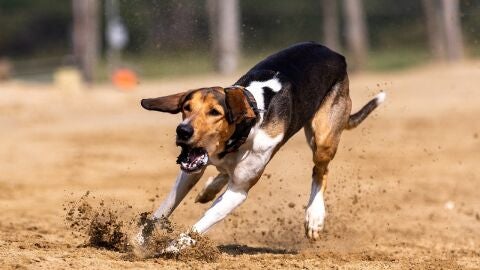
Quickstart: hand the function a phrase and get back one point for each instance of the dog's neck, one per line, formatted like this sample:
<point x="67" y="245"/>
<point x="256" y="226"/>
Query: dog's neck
<point x="242" y="129"/>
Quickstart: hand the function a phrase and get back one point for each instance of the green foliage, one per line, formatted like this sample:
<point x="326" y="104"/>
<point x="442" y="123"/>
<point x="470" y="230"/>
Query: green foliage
<point x="277" y="24"/>
<point x="32" y="27"/>
<point x="395" y="24"/>
<point x="398" y="58"/>
<point x="471" y="22"/>
<point x="166" y="35"/>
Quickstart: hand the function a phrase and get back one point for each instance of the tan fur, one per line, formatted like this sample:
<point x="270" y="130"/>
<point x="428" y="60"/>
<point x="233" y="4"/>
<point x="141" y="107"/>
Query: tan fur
<point x="324" y="131"/>
<point x="275" y="127"/>
<point x="212" y="187"/>
<point x="211" y="132"/>
<point x="239" y="106"/>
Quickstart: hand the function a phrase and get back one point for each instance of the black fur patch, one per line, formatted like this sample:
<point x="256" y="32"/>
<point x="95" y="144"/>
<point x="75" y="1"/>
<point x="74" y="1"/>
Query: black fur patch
<point x="307" y="71"/>
<point x="268" y="94"/>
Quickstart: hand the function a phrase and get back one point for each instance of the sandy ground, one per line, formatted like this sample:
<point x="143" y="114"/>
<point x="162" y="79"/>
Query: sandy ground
<point x="403" y="189"/>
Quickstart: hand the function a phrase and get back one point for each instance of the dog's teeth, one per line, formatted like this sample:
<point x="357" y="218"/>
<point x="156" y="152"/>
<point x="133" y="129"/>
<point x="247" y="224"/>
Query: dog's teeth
<point x="194" y="159"/>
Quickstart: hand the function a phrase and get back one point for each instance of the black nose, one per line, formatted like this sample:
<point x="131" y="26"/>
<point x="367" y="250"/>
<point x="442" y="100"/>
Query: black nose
<point x="184" y="131"/>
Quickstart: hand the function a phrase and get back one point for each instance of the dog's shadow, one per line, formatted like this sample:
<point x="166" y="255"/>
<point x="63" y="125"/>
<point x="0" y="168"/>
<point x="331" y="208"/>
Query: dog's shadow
<point x="235" y="249"/>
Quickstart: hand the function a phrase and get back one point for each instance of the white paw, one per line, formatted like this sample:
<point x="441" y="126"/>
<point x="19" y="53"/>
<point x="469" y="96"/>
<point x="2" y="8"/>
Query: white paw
<point x="139" y="239"/>
<point x="183" y="241"/>
<point x="314" y="221"/>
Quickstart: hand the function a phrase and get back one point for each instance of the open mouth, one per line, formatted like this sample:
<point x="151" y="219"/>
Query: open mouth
<point x="192" y="160"/>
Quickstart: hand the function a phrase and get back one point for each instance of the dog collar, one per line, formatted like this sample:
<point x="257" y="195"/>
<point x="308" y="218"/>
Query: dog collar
<point x="242" y="129"/>
<point x="252" y="102"/>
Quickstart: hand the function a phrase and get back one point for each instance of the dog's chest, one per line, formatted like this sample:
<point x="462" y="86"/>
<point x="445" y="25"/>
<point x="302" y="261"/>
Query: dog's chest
<point x="252" y="155"/>
<point x="259" y="144"/>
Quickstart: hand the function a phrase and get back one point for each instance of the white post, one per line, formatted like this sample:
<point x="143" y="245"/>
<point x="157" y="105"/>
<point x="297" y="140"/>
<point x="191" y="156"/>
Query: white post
<point x="224" y="27"/>
<point x="85" y="36"/>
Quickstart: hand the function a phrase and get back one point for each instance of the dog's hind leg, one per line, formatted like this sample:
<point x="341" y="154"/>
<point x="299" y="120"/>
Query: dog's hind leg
<point x="212" y="187"/>
<point x="323" y="135"/>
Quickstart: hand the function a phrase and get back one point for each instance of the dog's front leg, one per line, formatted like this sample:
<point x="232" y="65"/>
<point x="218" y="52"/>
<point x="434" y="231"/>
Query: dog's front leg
<point x="245" y="174"/>
<point x="183" y="184"/>
<point x="224" y="205"/>
<point x="243" y="177"/>
<point x="232" y="197"/>
<point x="212" y="187"/>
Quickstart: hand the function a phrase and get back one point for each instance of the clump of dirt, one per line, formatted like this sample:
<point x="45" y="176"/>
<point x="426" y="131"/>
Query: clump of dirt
<point x="104" y="227"/>
<point x="204" y="250"/>
<point x="163" y="233"/>
<point x="158" y="235"/>
<point x="108" y="232"/>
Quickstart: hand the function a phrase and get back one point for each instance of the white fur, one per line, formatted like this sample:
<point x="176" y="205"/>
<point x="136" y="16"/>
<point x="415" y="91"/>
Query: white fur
<point x="220" y="209"/>
<point x="380" y="98"/>
<point x="315" y="213"/>
<point x="183" y="184"/>
<point x="255" y="159"/>
<point x="256" y="88"/>
<point x="262" y="142"/>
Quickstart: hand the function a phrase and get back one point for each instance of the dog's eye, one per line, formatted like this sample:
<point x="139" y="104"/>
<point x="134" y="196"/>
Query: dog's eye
<point x="187" y="108"/>
<point x="214" y="112"/>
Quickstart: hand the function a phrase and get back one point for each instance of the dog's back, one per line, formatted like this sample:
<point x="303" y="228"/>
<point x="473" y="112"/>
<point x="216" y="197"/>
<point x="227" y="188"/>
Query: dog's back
<point x="309" y="69"/>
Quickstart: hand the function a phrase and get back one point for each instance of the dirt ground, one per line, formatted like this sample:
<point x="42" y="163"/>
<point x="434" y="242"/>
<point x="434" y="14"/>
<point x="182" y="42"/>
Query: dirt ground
<point x="403" y="190"/>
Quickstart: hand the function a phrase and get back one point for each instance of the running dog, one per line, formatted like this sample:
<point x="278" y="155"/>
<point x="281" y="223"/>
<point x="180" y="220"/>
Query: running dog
<point x="239" y="128"/>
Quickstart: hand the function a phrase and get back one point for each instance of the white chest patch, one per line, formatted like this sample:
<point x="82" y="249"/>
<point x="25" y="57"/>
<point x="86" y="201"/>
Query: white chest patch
<point x="256" y="88"/>
<point x="253" y="160"/>
<point x="262" y="142"/>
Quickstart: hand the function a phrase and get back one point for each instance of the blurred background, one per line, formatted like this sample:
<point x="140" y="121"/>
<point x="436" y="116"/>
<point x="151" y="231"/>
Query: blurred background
<point x="127" y="40"/>
<point x="403" y="187"/>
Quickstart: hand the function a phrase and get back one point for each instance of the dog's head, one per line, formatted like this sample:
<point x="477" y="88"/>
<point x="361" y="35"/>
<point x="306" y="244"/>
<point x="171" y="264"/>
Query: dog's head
<point x="210" y="116"/>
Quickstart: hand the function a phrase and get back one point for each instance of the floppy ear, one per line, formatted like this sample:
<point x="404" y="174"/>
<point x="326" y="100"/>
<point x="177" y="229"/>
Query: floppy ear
<point x="170" y="104"/>
<point x="238" y="107"/>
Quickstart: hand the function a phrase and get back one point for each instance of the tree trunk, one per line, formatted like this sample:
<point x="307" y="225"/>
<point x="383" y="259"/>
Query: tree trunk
<point x="435" y="32"/>
<point x="224" y="28"/>
<point x="330" y="24"/>
<point x="356" y="30"/>
<point x="453" y="30"/>
<point x="85" y="36"/>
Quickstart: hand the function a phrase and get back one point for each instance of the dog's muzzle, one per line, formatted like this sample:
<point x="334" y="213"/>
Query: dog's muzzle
<point x="184" y="132"/>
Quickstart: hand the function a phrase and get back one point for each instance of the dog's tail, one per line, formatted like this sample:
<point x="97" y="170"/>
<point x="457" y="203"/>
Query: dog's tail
<point x="358" y="117"/>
